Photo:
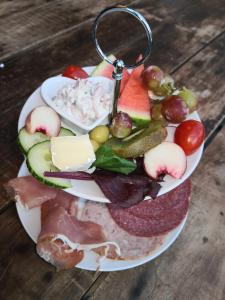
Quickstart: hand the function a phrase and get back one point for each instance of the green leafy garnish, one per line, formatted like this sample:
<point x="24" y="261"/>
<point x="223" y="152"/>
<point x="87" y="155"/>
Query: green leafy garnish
<point x="107" y="160"/>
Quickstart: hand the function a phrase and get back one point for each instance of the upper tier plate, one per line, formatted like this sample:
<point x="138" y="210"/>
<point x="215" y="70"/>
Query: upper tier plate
<point x="89" y="189"/>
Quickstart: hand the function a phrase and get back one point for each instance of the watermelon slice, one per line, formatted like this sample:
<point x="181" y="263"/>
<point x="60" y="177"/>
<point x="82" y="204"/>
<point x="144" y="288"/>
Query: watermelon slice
<point x="134" y="99"/>
<point x="106" y="70"/>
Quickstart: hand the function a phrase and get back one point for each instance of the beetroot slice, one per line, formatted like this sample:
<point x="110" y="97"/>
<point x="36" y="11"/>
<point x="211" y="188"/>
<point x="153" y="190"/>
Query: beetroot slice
<point x="154" y="217"/>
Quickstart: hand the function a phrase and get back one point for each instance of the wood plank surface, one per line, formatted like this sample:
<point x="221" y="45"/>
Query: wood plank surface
<point x="8" y="7"/>
<point x="194" y="266"/>
<point x="52" y="19"/>
<point x="38" y="39"/>
<point x="47" y="21"/>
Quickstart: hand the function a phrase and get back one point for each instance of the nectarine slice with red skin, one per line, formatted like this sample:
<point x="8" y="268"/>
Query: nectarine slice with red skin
<point x="166" y="158"/>
<point x="43" y="119"/>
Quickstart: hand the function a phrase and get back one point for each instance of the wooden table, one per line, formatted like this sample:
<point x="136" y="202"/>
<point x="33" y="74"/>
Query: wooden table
<point x="38" y="39"/>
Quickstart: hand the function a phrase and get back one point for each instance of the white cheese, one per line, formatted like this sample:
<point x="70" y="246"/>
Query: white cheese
<point x="72" y="153"/>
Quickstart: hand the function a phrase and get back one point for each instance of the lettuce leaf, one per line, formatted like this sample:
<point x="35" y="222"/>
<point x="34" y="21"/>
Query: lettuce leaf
<point x="107" y="160"/>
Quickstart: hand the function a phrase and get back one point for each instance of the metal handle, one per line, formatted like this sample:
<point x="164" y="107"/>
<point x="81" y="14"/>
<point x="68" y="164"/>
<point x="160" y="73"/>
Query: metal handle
<point x="119" y="64"/>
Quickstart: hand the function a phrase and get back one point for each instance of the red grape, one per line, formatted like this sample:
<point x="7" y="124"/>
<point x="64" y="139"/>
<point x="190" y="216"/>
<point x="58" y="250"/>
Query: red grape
<point x="152" y="77"/>
<point x="174" y="109"/>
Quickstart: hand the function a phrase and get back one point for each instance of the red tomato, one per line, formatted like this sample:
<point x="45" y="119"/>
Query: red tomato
<point x="75" y="72"/>
<point x="189" y="135"/>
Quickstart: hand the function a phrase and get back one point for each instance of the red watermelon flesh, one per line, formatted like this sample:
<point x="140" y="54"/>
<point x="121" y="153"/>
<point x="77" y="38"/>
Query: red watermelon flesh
<point x="134" y="99"/>
<point x="106" y="70"/>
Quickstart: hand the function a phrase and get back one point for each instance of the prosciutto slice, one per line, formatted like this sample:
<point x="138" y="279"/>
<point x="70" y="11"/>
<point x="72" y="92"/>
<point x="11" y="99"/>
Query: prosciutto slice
<point x="67" y="201"/>
<point x="60" y="223"/>
<point x="29" y="192"/>
<point x="63" y="237"/>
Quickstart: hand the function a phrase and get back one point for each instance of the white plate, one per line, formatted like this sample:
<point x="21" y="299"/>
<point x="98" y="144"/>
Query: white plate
<point x="89" y="189"/>
<point x="31" y="222"/>
<point x="52" y="85"/>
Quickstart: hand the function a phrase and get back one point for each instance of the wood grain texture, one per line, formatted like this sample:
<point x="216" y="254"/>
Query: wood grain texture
<point x="32" y="26"/>
<point x="55" y="18"/>
<point x="8" y="7"/>
<point x="194" y="266"/>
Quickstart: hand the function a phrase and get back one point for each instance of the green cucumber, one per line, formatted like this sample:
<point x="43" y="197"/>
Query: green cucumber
<point x="26" y="140"/>
<point x="66" y="132"/>
<point x="39" y="160"/>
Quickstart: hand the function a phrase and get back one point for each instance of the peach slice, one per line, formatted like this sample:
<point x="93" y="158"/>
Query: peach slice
<point x="166" y="158"/>
<point x="43" y="119"/>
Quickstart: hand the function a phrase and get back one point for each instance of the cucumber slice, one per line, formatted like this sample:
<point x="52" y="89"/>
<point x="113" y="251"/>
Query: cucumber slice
<point x="39" y="160"/>
<point x="66" y="132"/>
<point x="26" y="140"/>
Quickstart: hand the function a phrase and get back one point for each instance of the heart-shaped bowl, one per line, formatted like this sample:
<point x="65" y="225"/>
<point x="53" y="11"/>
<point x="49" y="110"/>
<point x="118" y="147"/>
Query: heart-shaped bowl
<point x="51" y="87"/>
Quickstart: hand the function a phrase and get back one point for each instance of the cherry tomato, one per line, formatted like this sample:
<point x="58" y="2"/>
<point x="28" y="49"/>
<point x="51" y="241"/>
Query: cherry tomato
<point x="75" y="72"/>
<point x="189" y="135"/>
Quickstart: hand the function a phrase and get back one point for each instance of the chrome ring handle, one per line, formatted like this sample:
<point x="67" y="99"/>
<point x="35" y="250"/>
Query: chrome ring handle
<point x="118" y="64"/>
<point x="139" y="17"/>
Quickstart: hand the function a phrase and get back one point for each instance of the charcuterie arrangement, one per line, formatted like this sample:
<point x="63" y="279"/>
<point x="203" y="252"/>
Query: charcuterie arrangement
<point x="71" y="140"/>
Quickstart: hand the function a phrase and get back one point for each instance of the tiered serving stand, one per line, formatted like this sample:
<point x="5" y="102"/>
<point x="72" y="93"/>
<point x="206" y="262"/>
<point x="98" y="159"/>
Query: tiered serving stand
<point x="31" y="220"/>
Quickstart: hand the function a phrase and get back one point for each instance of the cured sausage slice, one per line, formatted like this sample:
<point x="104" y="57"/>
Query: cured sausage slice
<point x="154" y="217"/>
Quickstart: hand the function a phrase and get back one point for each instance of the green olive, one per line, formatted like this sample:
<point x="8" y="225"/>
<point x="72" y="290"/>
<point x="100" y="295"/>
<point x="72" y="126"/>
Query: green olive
<point x="95" y="145"/>
<point x="100" y="134"/>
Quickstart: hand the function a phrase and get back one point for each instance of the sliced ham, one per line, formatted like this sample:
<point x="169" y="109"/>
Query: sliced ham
<point x="66" y="200"/>
<point x="63" y="238"/>
<point x="53" y="250"/>
<point x="60" y="223"/>
<point x="29" y="192"/>
<point x="131" y="247"/>
<point x="58" y="254"/>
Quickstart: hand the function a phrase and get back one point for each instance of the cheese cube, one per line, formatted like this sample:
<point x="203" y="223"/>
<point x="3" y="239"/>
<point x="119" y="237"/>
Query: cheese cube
<point x="72" y="153"/>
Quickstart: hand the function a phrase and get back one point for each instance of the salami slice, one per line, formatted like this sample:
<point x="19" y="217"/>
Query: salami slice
<point x="154" y="217"/>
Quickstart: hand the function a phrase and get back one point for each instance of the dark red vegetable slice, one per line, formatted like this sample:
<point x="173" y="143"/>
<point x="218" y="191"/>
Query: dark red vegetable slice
<point x="79" y="175"/>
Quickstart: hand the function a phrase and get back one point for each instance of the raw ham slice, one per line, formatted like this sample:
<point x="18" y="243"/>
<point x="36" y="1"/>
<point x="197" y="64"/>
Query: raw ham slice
<point x="63" y="237"/>
<point x="66" y="200"/>
<point x="56" y="251"/>
<point x="154" y="217"/>
<point x="29" y="192"/>
<point x="60" y="222"/>
<point x="58" y="254"/>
